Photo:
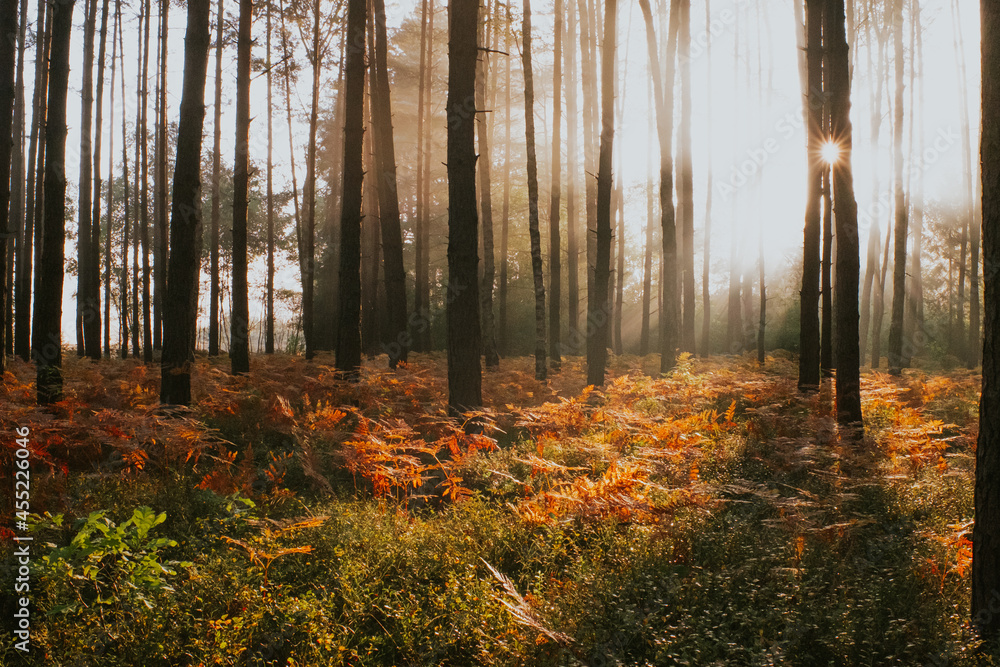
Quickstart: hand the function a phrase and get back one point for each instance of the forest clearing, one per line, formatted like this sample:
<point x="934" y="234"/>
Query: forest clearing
<point x="714" y="516"/>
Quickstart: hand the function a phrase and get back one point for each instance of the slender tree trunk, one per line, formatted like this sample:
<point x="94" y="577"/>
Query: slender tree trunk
<point x="16" y="221"/>
<point x="111" y="189"/>
<point x="619" y="272"/>
<point x="464" y="336"/>
<point x="572" y="169"/>
<point x="664" y="98"/>
<point x="536" y="241"/>
<point x="385" y="157"/>
<point x="486" y="207"/>
<point x="685" y="170"/>
<point x="371" y="315"/>
<point x="47" y="332"/>
<point x="900" y="233"/>
<point x="181" y="300"/>
<point x="421" y="316"/>
<point x="26" y="166"/>
<point x="647" y="259"/>
<point x="349" y="334"/>
<point x="809" y="331"/>
<point x="142" y="139"/>
<point x="915" y="307"/>
<point x="424" y="285"/>
<point x="123" y="286"/>
<point x="503" y="333"/>
<point x="971" y="351"/>
<point x="597" y="315"/>
<point x="706" y="300"/>
<point x="214" y="238"/>
<point x="8" y="93"/>
<point x="308" y="233"/>
<point x="827" y="341"/>
<point x="555" y="242"/>
<point x="85" y="309"/>
<point x="269" y="303"/>
<point x="92" y="328"/>
<point x="879" y="306"/>
<point x="160" y="196"/>
<point x="239" y="333"/>
<point x="39" y="177"/>
<point x="588" y="61"/>
<point x="986" y="531"/>
<point x="846" y="210"/>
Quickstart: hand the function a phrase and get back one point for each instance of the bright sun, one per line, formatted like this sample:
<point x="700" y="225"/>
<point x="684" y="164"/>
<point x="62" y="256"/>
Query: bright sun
<point x="830" y="152"/>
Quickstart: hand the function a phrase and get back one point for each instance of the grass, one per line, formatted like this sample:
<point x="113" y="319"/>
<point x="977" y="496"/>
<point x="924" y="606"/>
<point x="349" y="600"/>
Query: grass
<point x="711" y="517"/>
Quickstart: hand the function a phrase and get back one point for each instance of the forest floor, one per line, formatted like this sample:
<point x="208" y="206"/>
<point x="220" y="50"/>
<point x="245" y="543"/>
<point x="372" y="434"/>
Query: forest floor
<point x="711" y="517"/>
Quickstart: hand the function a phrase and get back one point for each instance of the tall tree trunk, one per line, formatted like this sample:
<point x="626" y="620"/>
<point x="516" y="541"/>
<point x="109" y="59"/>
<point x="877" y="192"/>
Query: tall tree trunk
<point x="986" y="531"/>
<point x="111" y="189"/>
<point x="239" y="322"/>
<point x="572" y="169"/>
<point x="47" y="332"/>
<point x="597" y="315"/>
<point x="92" y="329"/>
<point x="588" y="62"/>
<point x="16" y="221"/>
<point x="536" y="241"/>
<point x="123" y="283"/>
<point x="971" y="349"/>
<point x="269" y="302"/>
<point x="663" y="94"/>
<point x="8" y="62"/>
<point x="421" y="316"/>
<point x="706" y="300"/>
<point x="184" y="259"/>
<point x="308" y="233"/>
<point x="349" y="334"/>
<point x="503" y="332"/>
<point x="39" y="177"/>
<point x="555" y="242"/>
<point x="142" y="140"/>
<point x="846" y="211"/>
<point x="484" y="163"/>
<point x="879" y="307"/>
<point x="85" y="309"/>
<point x="647" y="259"/>
<point x="809" y="330"/>
<point x="915" y="306"/>
<point x="424" y="285"/>
<point x="371" y="315"/>
<point x="214" y="238"/>
<point x="464" y="336"/>
<point x="685" y="174"/>
<point x="827" y="342"/>
<point x="23" y="279"/>
<point x="385" y="157"/>
<point x="895" y="351"/>
<point x="160" y="249"/>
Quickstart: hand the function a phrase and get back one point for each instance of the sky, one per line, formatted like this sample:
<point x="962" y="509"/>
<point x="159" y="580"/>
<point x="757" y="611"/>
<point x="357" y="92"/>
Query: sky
<point x="752" y="133"/>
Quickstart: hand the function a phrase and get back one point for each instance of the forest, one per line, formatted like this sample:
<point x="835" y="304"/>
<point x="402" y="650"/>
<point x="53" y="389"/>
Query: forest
<point x="448" y="332"/>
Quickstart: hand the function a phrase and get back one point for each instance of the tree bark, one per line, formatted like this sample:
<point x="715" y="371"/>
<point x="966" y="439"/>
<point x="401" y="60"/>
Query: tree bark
<point x="421" y="317"/>
<point x="349" y="334"/>
<point x="92" y="329"/>
<point x="685" y="174"/>
<point x="142" y="140"/>
<point x="86" y="309"/>
<point x="47" y="333"/>
<point x="503" y="333"/>
<point x="706" y="300"/>
<point x="108" y="241"/>
<point x="555" y="242"/>
<point x="536" y="241"/>
<point x="809" y="318"/>
<point x="464" y="336"/>
<point x="239" y="321"/>
<point x="901" y="223"/>
<point x="160" y="245"/>
<point x="180" y="302"/>
<point x="214" y="238"/>
<point x="16" y="221"/>
<point x="269" y="303"/>
<point x="572" y="169"/>
<point x="986" y="531"/>
<point x="484" y="163"/>
<point x="22" y="280"/>
<point x="598" y="315"/>
<point x="846" y="211"/>
<point x="8" y="62"/>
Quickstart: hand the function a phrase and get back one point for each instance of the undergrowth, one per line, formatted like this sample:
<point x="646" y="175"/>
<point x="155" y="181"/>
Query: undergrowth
<point x="711" y="517"/>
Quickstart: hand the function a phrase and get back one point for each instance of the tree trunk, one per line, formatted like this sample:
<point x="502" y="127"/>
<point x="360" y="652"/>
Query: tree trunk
<point x="86" y="309"/>
<point x="385" y="158"/>
<point x="846" y="211"/>
<point x="879" y="306"/>
<point x="123" y="283"/>
<point x="184" y="259"/>
<point x="269" y="303"/>
<point x="307" y="258"/>
<point x="111" y="189"/>
<point x="214" y="238"/>
<point x="503" y="333"/>
<point x="464" y="336"/>
<point x="23" y="280"/>
<point x="809" y="328"/>
<point x="555" y="242"/>
<point x="486" y="207"/>
<point x="92" y="329"/>
<point x="160" y="249"/>
<point x="826" y="362"/>
<point x="239" y="321"/>
<point x="536" y="241"/>
<point x="971" y="351"/>
<point x="142" y="140"/>
<point x="986" y="531"/>
<point x="349" y="334"/>
<point x="423" y="270"/>
<point x="17" y="220"/>
<point x="588" y="62"/>
<point x="647" y="259"/>
<point x="421" y="317"/>
<point x="706" y="300"/>
<point x="47" y="332"/>
<point x="895" y="351"/>
<point x="685" y="174"/>
<point x="8" y="61"/>
<point x="598" y="316"/>
<point x="572" y="169"/>
<point x="664" y="98"/>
